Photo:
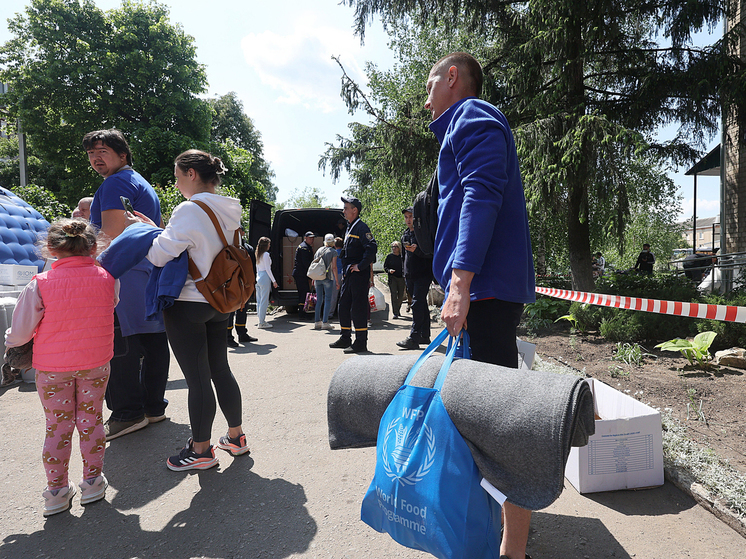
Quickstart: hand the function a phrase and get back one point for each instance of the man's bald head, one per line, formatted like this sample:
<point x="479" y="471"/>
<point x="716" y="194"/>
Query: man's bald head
<point x="470" y="71"/>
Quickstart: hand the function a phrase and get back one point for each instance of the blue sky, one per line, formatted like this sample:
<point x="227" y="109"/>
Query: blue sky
<point x="276" y="56"/>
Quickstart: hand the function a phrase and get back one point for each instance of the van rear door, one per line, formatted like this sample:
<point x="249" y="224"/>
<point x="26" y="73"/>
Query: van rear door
<point x="260" y="221"/>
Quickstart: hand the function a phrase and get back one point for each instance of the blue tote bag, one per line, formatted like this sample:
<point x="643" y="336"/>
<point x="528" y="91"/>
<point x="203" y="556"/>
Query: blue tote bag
<point x="425" y="493"/>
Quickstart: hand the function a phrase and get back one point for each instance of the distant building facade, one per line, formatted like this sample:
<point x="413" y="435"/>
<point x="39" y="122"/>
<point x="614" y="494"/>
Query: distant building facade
<point x="706" y="236"/>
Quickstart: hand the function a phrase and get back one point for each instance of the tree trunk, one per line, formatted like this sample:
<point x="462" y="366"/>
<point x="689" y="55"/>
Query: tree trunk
<point x="540" y="252"/>
<point x="578" y="236"/>
<point x="578" y="226"/>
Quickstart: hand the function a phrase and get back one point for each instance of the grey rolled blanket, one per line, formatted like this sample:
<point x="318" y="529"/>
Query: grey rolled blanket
<point x="519" y="424"/>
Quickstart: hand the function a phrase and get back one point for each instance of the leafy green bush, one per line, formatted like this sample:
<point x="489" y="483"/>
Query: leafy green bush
<point x="620" y="325"/>
<point x="554" y="281"/>
<point x="590" y="317"/>
<point x="43" y="201"/>
<point x="639" y="326"/>
<point x="729" y="334"/>
<point x="543" y="312"/>
<point x="665" y="286"/>
<point x="169" y="197"/>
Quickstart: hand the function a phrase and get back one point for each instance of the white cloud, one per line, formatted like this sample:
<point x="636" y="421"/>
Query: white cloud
<point x="705" y="208"/>
<point x="273" y="153"/>
<point x="298" y="65"/>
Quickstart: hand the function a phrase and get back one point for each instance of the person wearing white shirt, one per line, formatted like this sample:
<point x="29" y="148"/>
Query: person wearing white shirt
<point x="264" y="280"/>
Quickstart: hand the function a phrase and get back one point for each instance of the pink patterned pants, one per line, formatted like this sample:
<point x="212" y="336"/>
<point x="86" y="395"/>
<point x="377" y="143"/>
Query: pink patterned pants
<point x="73" y="399"/>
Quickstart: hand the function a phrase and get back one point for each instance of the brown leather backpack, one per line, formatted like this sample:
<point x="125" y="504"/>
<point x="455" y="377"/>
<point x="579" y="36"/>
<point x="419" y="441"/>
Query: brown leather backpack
<point x="231" y="279"/>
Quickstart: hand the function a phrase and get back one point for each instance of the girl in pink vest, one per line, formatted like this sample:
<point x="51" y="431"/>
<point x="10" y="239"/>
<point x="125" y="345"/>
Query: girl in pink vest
<point x="69" y="313"/>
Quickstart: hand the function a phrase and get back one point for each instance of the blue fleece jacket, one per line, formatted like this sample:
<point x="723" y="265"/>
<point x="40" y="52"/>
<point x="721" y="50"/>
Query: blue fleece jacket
<point x="482" y="217"/>
<point x="164" y="284"/>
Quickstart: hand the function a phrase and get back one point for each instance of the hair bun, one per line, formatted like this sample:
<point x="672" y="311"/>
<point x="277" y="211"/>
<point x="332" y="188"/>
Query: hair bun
<point x="74" y="228"/>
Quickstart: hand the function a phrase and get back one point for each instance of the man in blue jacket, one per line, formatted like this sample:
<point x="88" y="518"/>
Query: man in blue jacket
<point x="482" y="256"/>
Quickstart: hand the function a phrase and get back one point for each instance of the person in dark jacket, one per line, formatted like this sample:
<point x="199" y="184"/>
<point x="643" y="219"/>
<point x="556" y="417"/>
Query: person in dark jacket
<point x="241" y="314"/>
<point x="394" y="266"/>
<point x="358" y="253"/>
<point x="418" y="273"/>
<point x="645" y="260"/>
<point x="303" y="259"/>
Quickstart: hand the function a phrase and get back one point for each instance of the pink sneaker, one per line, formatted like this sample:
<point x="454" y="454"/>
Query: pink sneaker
<point x="235" y="446"/>
<point x="94" y="489"/>
<point x="58" y="500"/>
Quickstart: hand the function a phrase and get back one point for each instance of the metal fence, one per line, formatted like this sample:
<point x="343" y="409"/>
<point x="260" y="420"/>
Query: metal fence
<point x="719" y="273"/>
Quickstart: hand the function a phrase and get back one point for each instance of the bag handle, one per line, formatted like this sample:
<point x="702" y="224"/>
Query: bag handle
<point x="452" y="350"/>
<point x="462" y="341"/>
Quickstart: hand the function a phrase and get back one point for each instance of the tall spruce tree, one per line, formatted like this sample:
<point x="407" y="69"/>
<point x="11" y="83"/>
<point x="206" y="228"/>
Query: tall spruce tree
<point x="585" y="85"/>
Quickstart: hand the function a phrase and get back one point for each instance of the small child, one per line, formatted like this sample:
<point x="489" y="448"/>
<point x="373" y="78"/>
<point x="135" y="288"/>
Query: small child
<point x="69" y="313"/>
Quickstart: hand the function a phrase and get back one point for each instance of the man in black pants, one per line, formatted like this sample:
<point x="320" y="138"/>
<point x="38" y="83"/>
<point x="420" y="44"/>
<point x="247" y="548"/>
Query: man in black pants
<point x="139" y="368"/>
<point x="358" y="254"/>
<point x="303" y="259"/>
<point x="418" y="273"/>
<point x="240" y="314"/>
<point x="483" y="257"/>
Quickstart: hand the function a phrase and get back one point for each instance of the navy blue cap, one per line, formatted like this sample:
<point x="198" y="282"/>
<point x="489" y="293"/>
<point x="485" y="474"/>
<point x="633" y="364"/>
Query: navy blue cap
<point x="354" y="201"/>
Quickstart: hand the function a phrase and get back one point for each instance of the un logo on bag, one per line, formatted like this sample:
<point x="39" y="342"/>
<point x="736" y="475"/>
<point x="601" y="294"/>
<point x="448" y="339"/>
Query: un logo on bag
<point x="404" y="439"/>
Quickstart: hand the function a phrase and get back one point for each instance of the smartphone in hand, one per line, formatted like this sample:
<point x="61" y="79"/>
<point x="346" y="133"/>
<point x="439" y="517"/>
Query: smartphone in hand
<point x="127" y="204"/>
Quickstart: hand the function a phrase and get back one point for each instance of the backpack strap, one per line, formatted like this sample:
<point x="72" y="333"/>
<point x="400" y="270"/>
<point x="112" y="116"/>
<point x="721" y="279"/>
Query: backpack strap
<point x="215" y="221"/>
<point x="193" y="270"/>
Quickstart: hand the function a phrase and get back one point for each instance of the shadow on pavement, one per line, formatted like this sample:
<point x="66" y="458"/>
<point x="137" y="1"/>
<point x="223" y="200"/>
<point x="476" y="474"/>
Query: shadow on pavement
<point x="555" y="536"/>
<point x="657" y="501"/>
<point x="235" y="514"/>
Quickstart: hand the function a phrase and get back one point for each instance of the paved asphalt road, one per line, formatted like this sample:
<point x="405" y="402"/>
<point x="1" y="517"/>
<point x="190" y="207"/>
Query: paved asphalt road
<point x="292" y="497"/>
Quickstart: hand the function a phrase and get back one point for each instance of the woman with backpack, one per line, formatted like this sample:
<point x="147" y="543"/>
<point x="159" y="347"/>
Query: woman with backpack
<point x="195" y="329"/>
<point x="325" y="287"/>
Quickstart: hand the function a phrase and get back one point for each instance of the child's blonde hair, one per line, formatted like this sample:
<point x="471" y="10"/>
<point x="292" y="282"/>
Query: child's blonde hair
<point x="74" y="237"/>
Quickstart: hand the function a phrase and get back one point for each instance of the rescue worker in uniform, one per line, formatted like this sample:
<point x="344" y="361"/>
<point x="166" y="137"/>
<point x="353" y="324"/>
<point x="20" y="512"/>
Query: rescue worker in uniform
<point x="358" y="254"/>
<point x="303" y="259"/>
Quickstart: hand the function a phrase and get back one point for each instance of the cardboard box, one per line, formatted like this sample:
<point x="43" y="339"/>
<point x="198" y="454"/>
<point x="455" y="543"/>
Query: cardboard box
<point x="16" y="274"/>
<point x="526" y="354"/>
<point x="288" y="260"/>
<point x="627" y="450"/>
<point x="289" y="247"/>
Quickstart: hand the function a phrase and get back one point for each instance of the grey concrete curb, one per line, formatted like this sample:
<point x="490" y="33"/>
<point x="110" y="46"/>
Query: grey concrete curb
<point x="686" y="483"/>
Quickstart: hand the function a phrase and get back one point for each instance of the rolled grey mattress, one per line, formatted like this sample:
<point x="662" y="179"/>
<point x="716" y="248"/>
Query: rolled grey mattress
<point x="519" y="424"/>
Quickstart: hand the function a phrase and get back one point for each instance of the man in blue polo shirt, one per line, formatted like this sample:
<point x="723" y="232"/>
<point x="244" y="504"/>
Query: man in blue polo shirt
<point x="482" y="256"/>
<point x="139" y="369"/>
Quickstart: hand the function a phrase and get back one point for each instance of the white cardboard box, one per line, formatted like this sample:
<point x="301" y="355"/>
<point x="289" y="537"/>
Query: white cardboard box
<point x="626" y="451"/>
<point x="16" y="274"/>
<point x="526" y="354"/>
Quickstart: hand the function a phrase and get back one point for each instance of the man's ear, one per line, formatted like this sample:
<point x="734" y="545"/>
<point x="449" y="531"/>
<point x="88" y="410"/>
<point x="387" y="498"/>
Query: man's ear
<point x="452" y="76"/>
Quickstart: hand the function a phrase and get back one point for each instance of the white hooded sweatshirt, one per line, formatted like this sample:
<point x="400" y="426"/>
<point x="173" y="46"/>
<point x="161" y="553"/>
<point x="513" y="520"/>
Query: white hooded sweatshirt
<point x="191" y="229"/>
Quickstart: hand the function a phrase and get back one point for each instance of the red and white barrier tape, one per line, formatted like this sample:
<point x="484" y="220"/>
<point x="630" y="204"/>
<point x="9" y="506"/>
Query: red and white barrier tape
<point x="727" y="313"/>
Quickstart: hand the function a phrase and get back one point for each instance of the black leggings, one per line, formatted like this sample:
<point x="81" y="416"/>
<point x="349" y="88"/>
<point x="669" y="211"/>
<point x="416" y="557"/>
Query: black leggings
<point x="196" y="332"/>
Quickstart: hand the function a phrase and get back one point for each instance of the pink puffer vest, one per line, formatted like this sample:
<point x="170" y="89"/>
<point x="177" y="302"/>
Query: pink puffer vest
<point x="77" y="331"/>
